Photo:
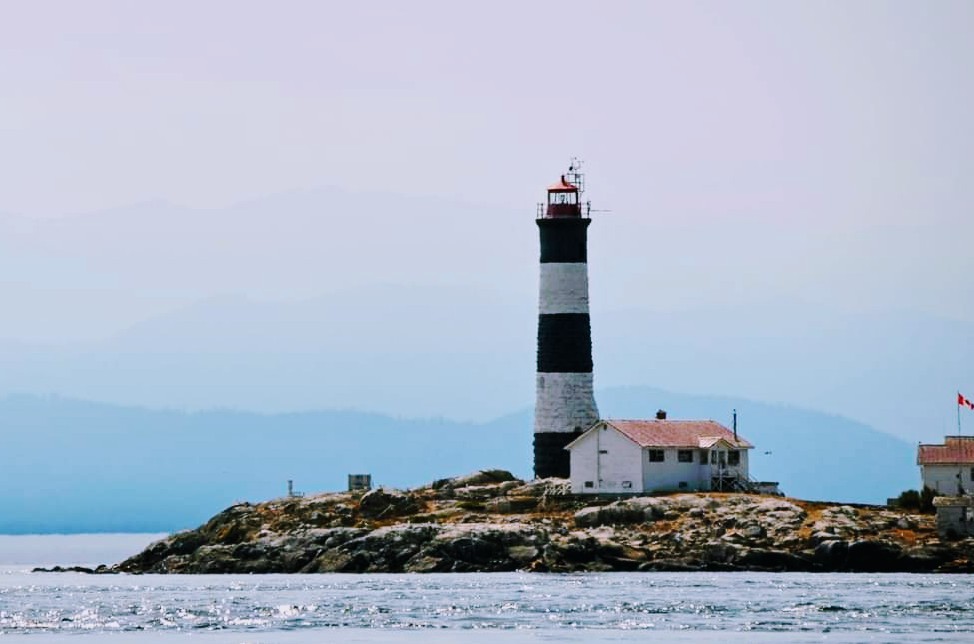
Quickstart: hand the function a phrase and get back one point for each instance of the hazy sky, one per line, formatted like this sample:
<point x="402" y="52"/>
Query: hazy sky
<point x="289" y="205"/>
<point x="818" y="152"/>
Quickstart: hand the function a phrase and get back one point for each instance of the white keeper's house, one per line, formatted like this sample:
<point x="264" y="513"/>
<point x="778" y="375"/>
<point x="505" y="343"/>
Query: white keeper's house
<point x="634" y="456"/>
<point x="948" y="468"/>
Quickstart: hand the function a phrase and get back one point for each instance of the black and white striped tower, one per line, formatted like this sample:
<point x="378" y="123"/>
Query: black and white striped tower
<point x="565" y="403"/>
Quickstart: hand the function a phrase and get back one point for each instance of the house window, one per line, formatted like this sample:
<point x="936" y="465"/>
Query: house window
<point x="713" y="457"/>
<point x="627" y="485"/>
<point x="603" y="451"/>
<point x="733" y="457"/>
<point x="656" y="456"/>
<point x="683" y="485"/>
<point x="704" y="455"/>
<point x="589" y="484"/>
<point x="972" y="473"/>
<point x="684" y="456"/>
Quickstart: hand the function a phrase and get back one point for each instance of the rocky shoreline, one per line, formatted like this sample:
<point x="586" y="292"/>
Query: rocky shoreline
<point x="489" y="521"/>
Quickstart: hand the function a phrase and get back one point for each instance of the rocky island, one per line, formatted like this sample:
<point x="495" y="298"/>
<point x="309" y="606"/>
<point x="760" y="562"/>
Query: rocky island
<point x="491" y="521"/>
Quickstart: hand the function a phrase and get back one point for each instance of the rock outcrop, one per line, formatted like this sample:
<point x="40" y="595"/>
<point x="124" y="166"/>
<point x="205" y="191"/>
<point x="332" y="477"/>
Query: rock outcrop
<point x="490" y="521"/>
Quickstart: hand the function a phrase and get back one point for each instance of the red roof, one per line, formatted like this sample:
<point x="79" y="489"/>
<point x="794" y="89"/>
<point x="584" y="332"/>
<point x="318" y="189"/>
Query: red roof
<point x="561" y="186"/>
<point x="955" y="450"/>
<point x="677" y="433"/>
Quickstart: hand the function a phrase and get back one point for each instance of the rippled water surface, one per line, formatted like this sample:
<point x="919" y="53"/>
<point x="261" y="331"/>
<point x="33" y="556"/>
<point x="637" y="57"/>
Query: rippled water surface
<point x="38" y="607"/>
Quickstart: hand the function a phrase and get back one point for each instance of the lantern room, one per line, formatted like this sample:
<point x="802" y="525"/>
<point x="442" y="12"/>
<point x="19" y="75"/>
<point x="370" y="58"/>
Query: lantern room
<point x="563" y="201"/>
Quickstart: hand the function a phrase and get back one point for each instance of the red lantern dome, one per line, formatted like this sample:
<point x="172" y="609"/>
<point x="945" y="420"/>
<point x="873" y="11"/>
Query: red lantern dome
<point x="563" y="200"/>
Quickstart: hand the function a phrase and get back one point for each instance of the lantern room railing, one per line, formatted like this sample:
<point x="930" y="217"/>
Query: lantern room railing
<point x="584" y="209"/>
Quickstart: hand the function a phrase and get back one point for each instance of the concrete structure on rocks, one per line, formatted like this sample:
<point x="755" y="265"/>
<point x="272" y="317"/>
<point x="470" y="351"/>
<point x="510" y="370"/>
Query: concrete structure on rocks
<point x="955" y="516"/>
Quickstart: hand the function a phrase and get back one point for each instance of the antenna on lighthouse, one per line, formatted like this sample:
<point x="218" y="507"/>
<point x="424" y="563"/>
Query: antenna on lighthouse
<point x="574" y="175"/>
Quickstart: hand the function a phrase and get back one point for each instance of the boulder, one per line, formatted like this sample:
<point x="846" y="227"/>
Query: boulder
<point x="426" y="563"/>
<point x="625" y="512"/>
<point x="474" y="550"/>
<point x="340" y="561"/>
<point x="481" y="477"/>
<point x="926" y="558"/>
<point x="570" y="554"/>
<point x="588" y="517"/>
<point x="873" y="556"/>
<point x="720" y="552"/>
<point x="772" y="560"/>
<point x="383" y="504"/>
<point x="337" y="536"/>
<point x="754" y="531"/>
<point x="523" y="554"/>
<point x="512" y="504"/>
<point x="153" y="558"/>
<point x="484" y="492"/>
<point x="832" y="554"/>
<point x="824" y="536"/>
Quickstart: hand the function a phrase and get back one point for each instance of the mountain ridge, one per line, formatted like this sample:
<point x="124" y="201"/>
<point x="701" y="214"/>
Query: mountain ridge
<point x="360" y="348"/>
<point x="81" y="466"/>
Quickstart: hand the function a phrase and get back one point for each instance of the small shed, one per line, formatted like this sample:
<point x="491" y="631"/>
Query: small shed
<point x="359" y="482"/>
<point x="638" y="456"/>
<point x="955" y="516"/>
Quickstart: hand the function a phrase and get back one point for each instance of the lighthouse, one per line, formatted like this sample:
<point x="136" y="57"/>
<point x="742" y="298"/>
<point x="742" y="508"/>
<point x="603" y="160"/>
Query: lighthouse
<point x="565" y="401"/>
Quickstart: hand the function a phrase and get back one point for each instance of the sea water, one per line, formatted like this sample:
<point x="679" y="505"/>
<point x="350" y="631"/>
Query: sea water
<point x="482" y="607"/>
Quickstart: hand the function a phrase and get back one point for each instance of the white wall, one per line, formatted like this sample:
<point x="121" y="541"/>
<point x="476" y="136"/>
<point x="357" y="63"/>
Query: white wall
<point x="624" y="460"/>
<point x="564" y="401"/>
<point x="564" y="288"/>
<point x="670" y="473"/>
<point x="607" y="472"/>
<point x="943" y="478"/>
<point x="697" y="475"/>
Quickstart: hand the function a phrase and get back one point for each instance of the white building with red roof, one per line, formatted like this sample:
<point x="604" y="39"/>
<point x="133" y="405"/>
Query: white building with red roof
<point x="948" y="468"/>
<point x="637" y="456"/>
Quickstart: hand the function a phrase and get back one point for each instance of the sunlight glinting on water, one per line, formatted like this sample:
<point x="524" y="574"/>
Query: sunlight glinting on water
<point x="735" y="602"/>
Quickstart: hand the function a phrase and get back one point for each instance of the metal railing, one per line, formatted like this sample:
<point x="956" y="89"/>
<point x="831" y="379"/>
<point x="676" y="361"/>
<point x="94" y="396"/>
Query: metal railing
<point x="585" y="210"/>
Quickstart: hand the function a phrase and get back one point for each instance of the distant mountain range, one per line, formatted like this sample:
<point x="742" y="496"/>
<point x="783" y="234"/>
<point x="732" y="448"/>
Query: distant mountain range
<point x="419" y="307"/>
<point x="73" y="466"/>
<point x="468" y="354"/>
<point x="423" y="307"/>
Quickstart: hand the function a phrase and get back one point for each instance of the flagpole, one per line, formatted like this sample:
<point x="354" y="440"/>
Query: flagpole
<point x="959" y="430"/>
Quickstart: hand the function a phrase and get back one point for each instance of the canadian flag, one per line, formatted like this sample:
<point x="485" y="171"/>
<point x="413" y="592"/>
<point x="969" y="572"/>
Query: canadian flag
<point x="964" y="402"/>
